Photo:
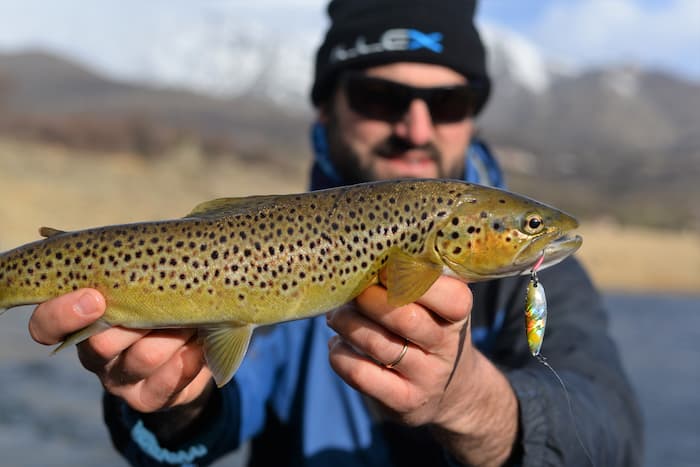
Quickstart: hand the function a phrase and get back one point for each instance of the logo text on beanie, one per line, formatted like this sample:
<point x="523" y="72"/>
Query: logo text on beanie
<point x="391" y="40"/>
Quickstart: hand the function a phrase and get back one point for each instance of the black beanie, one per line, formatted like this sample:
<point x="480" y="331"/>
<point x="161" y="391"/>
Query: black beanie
<point x="365" y="33"/>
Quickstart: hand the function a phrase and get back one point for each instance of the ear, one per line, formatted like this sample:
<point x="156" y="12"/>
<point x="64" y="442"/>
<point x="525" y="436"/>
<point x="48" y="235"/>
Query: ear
<point x="323" y="112"/>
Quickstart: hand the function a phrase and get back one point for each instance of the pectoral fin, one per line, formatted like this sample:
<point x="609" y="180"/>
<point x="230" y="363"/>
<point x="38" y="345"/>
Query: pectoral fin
<point x="224" y="349"/>
<point x="408" y="278"/>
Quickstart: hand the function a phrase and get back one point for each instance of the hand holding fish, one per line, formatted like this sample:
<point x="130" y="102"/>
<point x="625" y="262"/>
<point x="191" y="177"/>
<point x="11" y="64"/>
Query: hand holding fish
<point x="150" y="370"/>
<point x="441" y="380"/>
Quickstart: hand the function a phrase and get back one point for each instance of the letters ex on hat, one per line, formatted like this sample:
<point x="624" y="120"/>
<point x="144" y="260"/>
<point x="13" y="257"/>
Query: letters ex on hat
<point x="398" y="39"/>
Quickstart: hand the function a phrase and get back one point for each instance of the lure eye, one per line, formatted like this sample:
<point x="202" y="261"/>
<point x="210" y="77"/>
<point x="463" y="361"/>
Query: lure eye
<point x="533" y="224"/>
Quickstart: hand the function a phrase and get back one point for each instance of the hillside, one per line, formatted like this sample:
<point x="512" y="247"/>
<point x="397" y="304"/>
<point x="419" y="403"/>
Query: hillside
<point x="619" y="143"/>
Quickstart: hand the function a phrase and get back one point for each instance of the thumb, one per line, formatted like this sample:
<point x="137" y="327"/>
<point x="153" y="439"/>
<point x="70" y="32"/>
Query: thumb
<point x="53" y="320"/>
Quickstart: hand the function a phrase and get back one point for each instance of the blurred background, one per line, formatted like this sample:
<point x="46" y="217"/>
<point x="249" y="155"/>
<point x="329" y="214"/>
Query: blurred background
<point x="113" y="112"/>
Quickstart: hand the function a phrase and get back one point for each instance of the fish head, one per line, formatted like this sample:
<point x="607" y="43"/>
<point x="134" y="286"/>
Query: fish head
<point x="500" y="234"/>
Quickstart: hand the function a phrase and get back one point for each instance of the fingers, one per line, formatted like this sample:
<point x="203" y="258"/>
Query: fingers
<point x="97" y="351"/>
<point x="52" y="321"/>
<point x="372" y="333"/>
<point x="179" y="380"/>
<point x="151" y="370"/>
<point x="369" y="339"/>
<point x="158" y="369"/>
<point x="386" y="386"/>
<point x="426" y="322"/>
<point x="147" y="355"/>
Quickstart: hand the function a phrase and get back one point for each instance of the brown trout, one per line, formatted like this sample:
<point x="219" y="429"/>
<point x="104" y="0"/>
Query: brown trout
<point x="236" y="263"/>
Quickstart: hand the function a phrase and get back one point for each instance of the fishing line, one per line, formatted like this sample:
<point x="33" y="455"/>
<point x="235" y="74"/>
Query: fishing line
<point x="540" y="358"/>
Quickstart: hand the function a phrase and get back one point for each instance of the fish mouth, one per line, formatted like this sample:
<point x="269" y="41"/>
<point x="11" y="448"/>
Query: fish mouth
<point x="554" y="252"/>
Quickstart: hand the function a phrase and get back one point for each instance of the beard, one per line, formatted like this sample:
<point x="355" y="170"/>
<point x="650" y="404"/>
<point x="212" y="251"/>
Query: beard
<point x="354" y="169"/>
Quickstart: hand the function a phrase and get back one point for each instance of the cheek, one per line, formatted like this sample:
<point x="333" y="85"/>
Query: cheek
<point x="358" y="133"/>
<point x="362" y="136"/>
<point x="452" y="138"/>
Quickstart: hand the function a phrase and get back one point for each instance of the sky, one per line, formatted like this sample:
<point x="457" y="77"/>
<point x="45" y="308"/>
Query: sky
<point x="111" y="36"/>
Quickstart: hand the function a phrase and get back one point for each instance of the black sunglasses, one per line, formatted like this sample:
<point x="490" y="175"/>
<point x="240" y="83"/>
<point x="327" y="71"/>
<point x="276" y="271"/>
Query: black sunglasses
<point x="381" y="99"/>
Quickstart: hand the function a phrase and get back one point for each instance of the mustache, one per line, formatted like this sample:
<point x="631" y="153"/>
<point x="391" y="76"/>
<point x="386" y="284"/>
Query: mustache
<point x="394" y="146"/>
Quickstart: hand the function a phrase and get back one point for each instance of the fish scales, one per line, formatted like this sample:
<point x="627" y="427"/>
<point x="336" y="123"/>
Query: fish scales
<point x="233" y="264"/>
<point x="313" y="248"/>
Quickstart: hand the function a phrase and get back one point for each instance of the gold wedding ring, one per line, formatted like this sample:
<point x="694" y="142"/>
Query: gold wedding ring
<point x="398" y="359"/>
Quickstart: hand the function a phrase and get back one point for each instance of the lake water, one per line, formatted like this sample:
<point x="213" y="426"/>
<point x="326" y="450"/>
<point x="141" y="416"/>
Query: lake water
<point x="50" y="411"/>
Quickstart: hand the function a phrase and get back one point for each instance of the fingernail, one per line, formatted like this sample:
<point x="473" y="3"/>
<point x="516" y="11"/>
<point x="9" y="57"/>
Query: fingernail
<point x="86" y="305"/>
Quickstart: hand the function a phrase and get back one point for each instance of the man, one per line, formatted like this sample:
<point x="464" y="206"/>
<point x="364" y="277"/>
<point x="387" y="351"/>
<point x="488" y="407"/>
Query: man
<point x="447" y="380"/>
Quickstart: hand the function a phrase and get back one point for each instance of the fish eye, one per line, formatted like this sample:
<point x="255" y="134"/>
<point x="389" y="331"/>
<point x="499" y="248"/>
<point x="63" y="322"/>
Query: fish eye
<point x="533" y="224"/>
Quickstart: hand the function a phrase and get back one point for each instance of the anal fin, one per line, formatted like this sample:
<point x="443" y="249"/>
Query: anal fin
<point x="408" y="278"/>
<point x="224" y="349"/>
<point x="81" y="335"/>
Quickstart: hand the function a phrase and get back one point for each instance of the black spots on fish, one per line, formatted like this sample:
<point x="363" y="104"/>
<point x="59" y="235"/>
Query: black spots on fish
<point x="502" y="201"/>
<point x="483" y="214"/>
<point x="456" y="250"/>
<point x="455" y="221"/>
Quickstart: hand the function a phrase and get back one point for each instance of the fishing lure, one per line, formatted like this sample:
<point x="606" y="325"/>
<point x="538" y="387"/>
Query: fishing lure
<point x="535" y="324"/>
<point x="535" y="314"/>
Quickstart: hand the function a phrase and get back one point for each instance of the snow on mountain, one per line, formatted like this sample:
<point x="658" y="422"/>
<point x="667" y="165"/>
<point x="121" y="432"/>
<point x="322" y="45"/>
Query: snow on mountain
<point x="229" y="56"/>
<point x="511" y="55"/>
<point x="623" y="81"/>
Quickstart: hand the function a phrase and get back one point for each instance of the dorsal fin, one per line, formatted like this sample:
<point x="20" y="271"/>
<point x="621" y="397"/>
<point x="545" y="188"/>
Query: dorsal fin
<point x="47" y="232"/>
<point x="227" y="206"/>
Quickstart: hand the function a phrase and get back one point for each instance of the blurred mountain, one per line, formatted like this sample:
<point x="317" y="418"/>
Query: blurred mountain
<point x="45" y="87"/>
<point x="620" y="141"/>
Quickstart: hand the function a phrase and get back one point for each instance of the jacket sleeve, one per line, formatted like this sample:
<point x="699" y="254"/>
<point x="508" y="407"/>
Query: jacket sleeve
<point x="597" y="408"/>
<point x="235" y="413"/>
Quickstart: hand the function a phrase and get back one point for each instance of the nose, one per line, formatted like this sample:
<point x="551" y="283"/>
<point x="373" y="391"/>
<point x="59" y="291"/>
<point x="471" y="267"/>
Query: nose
<point x="416" y="125"/>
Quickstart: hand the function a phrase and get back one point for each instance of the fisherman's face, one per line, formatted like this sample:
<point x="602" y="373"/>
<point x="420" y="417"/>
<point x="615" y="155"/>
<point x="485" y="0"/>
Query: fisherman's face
<point x="411" y="146"/>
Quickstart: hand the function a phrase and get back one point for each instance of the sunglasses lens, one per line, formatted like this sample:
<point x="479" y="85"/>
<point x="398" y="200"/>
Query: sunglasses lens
<point x="452" y="104"/>
<point x="385" y="100"/>
<point x="377" y="99"/>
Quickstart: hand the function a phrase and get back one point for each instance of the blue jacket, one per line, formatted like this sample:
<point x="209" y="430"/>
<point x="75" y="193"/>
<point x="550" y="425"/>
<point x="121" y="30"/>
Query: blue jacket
<point x="286" y="400"/>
